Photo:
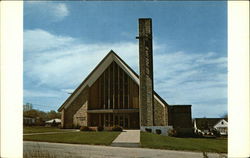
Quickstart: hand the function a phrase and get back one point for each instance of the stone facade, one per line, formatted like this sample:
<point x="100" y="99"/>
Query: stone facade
<point x="146" y="100"/>
<point x="78" y="106"/>
<point x="159" y="114"/>
<point x="62" y="118"/>
<point x="80" y="118"/>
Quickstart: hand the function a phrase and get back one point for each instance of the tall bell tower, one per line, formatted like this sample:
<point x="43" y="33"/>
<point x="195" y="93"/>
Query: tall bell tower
<point x="146" y="99"/>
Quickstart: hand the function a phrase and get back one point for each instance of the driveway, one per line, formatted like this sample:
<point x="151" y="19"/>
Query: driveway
<point x="43" y="149"/>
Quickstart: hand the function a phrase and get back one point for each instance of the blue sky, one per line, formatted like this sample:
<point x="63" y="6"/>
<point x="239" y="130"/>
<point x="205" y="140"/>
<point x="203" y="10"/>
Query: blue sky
<point x="64" y="41"/>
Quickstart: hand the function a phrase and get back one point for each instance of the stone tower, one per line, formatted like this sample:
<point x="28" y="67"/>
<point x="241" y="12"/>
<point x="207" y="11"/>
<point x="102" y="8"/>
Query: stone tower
<point x="146" y="100"/>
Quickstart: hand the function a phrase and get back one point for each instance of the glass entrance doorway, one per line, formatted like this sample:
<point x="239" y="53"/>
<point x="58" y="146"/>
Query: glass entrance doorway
<point x="125" y="120"/>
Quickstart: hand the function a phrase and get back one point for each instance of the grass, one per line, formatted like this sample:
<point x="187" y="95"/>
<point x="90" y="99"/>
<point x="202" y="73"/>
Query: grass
<point x="41" y="129"/>
<point x="149" y="140"/>
<point x="96" y="138"/>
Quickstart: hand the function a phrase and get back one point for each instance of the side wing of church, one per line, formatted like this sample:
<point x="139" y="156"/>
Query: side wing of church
<point x="110" y="96"/>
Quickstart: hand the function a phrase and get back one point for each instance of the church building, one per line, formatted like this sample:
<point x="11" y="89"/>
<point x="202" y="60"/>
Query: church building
<point x="114" y="94"/>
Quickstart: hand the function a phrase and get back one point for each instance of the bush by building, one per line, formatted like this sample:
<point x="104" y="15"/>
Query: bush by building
<point x="84" y="128"/>
<point x="117" y="128"/>
<point x="100" y="128"/>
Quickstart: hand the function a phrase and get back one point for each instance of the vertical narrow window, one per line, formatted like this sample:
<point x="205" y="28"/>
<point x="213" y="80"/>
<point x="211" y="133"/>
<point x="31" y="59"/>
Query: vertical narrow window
<point x="111" y="86"/>
<point x="116" y="119"/>
<point x="102" y="91"/>
<point x="121" y="120"/>
<point x="116" y="86"/>
<point x="111" y="119"/>
<point x="106" y="120"/>
<point x="121" y="88"/>
<point x="106" y="89"/>
<point x="126" y="91"/>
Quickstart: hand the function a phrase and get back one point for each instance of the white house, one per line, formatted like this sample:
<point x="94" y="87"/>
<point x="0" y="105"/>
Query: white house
<point x="206" y="125"/>
<point x="221" y="126"/>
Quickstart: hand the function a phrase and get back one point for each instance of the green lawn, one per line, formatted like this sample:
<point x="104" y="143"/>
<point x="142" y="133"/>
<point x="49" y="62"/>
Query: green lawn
<point x="149" y="140"/>
<point x="41" y="129"/>
<point x="97" y="138"/>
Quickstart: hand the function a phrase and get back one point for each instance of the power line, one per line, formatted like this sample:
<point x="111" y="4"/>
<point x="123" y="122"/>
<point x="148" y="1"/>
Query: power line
<point x="42" y="105"/>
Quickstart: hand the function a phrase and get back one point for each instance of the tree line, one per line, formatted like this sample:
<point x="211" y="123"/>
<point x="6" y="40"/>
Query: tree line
<point x="43" y="116"/>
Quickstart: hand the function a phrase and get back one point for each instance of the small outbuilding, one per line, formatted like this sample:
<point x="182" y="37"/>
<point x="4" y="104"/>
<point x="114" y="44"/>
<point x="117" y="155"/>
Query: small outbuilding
<point x="53" y="122"/>
<point x="29" y="121"/>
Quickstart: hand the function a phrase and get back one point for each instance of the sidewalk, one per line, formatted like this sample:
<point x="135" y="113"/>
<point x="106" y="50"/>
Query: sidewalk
<point x="128" y="138"/>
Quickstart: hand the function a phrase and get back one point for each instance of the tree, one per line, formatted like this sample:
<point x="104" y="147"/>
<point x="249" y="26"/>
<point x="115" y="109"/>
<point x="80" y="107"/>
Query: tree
<point x="31" y="113"/>
<point x="53" y="114"/>
<point x="42" y="115"/>
<point x="225" y="115"/>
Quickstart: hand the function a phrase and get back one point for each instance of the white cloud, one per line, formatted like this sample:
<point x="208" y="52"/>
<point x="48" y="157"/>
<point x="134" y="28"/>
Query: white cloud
<point x="61" y="10"/>
<point x="39" y="40"/>
<point x="58" y="61"/>
<point x="187" y="78"/>
<point x="45" y="10"/>
<point x="61" y="62"/>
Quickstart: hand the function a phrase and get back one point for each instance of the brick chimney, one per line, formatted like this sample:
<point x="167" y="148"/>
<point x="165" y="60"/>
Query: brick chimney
<point x="146" y="99"/>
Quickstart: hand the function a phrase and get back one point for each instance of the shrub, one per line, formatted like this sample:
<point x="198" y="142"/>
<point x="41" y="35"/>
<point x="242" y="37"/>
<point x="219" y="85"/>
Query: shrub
<point x="148" y="130"/>
<point x="100" y="128"/>
<point x="84" y="128"/>
<point x="198" y="135"/>
<point x="158" y="131"/>
<point x="172" y="133"/>
<point x="108" y="128"/>
<point x="93" y="129"/>
<point x="117" y="128"/>
<point x="216" y="133"/>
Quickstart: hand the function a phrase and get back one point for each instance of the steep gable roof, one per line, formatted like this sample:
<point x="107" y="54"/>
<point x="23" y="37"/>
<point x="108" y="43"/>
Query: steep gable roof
<point x="98" y="70"/>
<point x="221" y="123"/>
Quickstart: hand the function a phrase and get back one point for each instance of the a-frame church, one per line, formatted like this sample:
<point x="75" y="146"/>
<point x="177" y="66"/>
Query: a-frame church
<point x="111" y="95"/>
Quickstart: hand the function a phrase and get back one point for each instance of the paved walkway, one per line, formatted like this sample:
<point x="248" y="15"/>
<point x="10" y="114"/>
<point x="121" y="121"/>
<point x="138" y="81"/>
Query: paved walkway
<point x="128" y="138"/>
<point x="60" y="150"/>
